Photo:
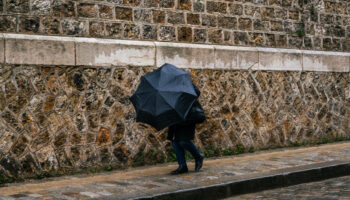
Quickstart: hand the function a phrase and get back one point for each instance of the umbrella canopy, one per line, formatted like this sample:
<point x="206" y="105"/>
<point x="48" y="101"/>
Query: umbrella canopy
<point x="164" y="97"/>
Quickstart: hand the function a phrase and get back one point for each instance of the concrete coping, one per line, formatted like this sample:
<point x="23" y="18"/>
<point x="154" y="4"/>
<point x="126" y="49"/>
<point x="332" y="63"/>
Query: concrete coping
<point x="95" y="52"/>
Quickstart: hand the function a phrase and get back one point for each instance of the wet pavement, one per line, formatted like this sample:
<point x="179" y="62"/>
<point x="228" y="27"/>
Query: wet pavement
<point x="153" y="180"/>
<point x="331" y="189"/>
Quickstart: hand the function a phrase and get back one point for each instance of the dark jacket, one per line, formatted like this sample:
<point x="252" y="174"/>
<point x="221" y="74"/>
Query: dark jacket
<point x="180" y="132"/>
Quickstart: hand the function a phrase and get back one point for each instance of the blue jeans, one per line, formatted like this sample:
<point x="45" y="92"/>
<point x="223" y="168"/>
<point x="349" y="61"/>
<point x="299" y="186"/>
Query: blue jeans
<point x="181" y="146"/>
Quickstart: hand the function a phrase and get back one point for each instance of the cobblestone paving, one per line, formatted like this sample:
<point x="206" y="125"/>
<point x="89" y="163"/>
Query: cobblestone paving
<point x="337" y="188"/>
<point x="156" y="179"/>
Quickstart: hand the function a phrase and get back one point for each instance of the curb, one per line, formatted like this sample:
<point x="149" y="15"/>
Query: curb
<point x="293" y="176"/>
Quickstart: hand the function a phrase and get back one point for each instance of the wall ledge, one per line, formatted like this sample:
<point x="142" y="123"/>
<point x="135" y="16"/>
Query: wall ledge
<point x="77" y="51"/>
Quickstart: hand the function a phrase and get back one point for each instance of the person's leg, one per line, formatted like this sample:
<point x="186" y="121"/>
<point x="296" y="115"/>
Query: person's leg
<point x="180" y="153"/>
<point x="180" y="156"/>
<point x="189" y="146"/>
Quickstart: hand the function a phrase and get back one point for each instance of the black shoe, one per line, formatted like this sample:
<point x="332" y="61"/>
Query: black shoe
<point x="180" y="170"/>
<point x="199" y="163"/>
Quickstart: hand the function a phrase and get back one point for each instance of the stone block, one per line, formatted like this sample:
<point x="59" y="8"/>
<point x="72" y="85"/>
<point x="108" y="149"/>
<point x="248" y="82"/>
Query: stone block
<point x="326" y="61"/>
<point x="225" y="57"/>
<point x="40" y="7"/>
<point x="105" y="52"/>
<point x="215" y="36"/>
<point x="280" y="59"/>
<point x="87" y="10"/>
<point x="40" y="50"/>
<point x="185" y="5"/>
<point x="247" y="58"/>
<point x="184" y="34"/>
<point x="185" y="55"/>
<point x="123" y="13"/>
<point x="2" y="50"/>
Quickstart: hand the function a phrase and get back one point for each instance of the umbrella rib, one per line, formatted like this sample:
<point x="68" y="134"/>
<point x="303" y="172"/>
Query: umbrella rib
<point x="169" y="104"/>
<point x="177" y="92"/>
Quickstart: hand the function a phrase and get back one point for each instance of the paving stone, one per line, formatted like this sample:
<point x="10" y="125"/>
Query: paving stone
<point x="328" y="189"/>
<point x="90" y="194"/>
<point x="155" y="181"/>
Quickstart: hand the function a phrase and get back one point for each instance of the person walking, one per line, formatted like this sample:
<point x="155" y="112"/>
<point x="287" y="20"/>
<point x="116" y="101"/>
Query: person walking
<point x="181" y="135"/>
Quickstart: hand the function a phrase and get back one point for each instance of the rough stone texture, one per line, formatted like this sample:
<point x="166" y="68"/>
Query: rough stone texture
<point x="185" y="56"/>
<point x="2" y="49"/>
<point x="7" y="23"/>
<point x="314" y="25"/>
<point x="41" y="7"/>
<point x="122" y="53"/>
<point x="22" y="51"/>
<point x="154" y="180"/>
<point x="57" y="120"/>
<point x="17" y="6"/>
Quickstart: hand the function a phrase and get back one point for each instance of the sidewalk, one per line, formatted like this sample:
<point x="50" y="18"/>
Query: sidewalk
<point x="218" y="178"/>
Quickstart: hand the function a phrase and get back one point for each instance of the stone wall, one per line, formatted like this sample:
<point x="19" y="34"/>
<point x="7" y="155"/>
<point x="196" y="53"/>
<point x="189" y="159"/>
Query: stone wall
<point x="57" y="120"/>
<point x="299" y="24"/>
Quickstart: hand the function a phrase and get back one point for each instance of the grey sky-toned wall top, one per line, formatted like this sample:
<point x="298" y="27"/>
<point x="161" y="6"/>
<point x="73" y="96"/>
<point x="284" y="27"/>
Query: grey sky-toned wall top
<point x="299" y="24"/>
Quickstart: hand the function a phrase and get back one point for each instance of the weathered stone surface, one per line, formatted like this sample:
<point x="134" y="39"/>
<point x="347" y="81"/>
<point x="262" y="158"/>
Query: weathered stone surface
<point x="158" y="16"/>
<point x="103" y="137"/>
<point x="338" y="62"/>
<point x="227" y="22"/>
<point x="149" y="32"/>
<point x="123" y="13"/>
<point x="167" y="33"/>
<point x="184" y="56"/>
<point x="2" y="49"/>
<point x="199" y="35"/>
<point x="74" y="27"/>
<point x="17" y="6"/>
<point x="87" y="10"/>
<point x="63" y="8"/>
<point x="247" y="59"/>
<point x="29" y="24"/>
<point x="108" y="52"/>
<point x="143" y="15"/>
<point x="96" y="29"/>
<point x="167" y="3"/>
<point x="20" y="50"/>
<point x="185" y="5"/>
<point x="11" y="165"/>
<point x="226" y="58"/>
<point x="47" y="159"/>
<point x="215" y="36"/>
<point x="302" y="25"/>
<point x="7" y="139"/>
<point x="219" y="7"/>
<point x="184" y="34"/>
<point x="131" y="31"/>
<point x="106" y="11"/>
<point x="290" y="60"/>
<point x="175" y="18"/>
<point x="193" y="18"/>
<point x="209" y="20"/>
<point x="20" y="146"/>
<point x="50" y="26"/>
<point x="8" y="23"/>
<point x="114" y="30"/>
<point x="40" y="7"/>
<point x="82" y="116"/>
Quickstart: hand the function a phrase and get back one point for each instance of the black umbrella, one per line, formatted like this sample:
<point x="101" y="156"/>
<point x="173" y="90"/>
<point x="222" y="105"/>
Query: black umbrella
<point x="164" y="97"/>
